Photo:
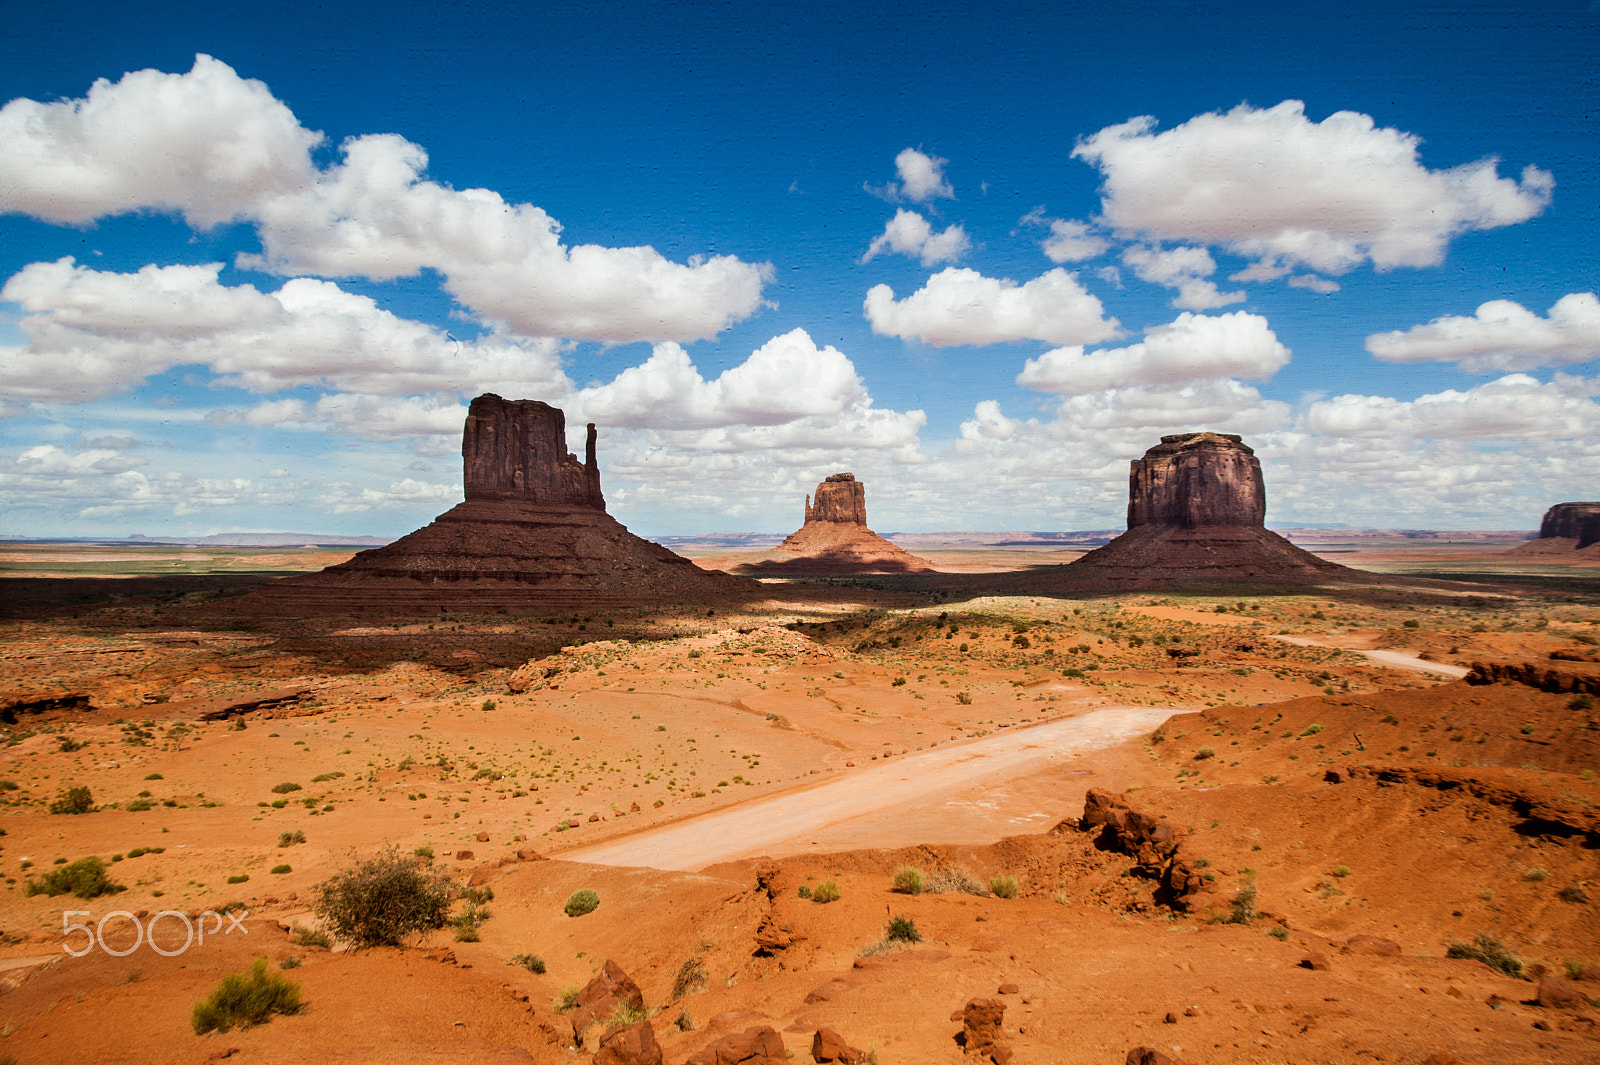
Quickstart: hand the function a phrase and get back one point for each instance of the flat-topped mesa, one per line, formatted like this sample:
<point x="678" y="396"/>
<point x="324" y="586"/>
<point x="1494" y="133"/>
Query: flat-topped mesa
<point x="516" y="451"/>
<point x="1194" y="480"/>
<point x="840" y="497"/>
<point x="1574" y="521"/>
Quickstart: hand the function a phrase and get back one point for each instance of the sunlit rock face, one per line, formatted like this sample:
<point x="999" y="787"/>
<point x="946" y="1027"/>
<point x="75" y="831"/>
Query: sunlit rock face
<point x="1195" y="480"/>
<point x="839" y="498"/>
<point x="516" y="450"/>
<point x="1572" y="521"/>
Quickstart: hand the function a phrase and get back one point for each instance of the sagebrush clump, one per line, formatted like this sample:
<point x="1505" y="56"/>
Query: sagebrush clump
<point x="384" y="899"/>
<point x="1003" y="886"/>
<point x="908" y="880"/>
<point x="241" y="1001"/>
<point x="1490" y="951"/>
<point x="86" y="878"/>
<point x="827" y="891"/>
<point x="582" y="901"/>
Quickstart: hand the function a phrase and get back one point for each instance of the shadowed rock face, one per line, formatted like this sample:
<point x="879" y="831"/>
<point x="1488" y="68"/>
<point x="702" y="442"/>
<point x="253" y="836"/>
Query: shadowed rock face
<point x="839" y="498"/>
<point x="1577" y="521"/>
<point x="1195" y="480"/>
<point x="516" y="451"/>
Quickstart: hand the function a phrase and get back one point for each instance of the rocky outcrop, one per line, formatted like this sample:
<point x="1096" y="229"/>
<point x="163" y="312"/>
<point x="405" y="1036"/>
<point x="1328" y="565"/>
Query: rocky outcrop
<point x="1535" y="675"/>
<point x="1196" y="504"/>
<point x="828" y="1046"/>
<point x="629" y="1044"/>
<point x="1195" y="480"/>
<point x="1152" y="843"/>
<point x="1567" y="527"/>
<point x="840" y="497"/>
<point x="532" y="534"/>
<point x="981" y="1031"/>
<point x="835" y="538"/>
<point x="600" y="997"/>
<point x="754" y="1046"/>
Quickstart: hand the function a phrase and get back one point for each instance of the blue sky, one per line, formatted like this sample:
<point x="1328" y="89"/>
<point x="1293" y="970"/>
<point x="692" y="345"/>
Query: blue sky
<point x="254" y="262"/>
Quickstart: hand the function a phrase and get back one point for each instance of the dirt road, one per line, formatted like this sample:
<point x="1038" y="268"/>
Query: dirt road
<point x="782" y="823"/>
<point x="1397" y="659"/>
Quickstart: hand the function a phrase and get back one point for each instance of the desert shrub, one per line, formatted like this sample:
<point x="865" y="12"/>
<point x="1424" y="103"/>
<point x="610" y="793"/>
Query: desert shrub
<point x="897" y="682"/>
<point x="624" y="1015"/>
<point x="1003" y="886"/>
<point x="322" y="778"/>
<point x="241" y="1001"/>
<point x="139" y="806"/>
<point x="466" y="927"/>
<point x="289" y="839"/>
<point x="291" y="962"/>
<point x="284" y="788"/>
<point x="804" y="891"/>
<point x="908" y="880"/>
<point x="582" y="901"/>
<point x="531" y="962"/>
<point x="301" y="936"/>
<point x="827" y="891"/>
<point x="1536" y="874"/>
<point x="477" y="896"/>
<point x="964" y="698"/>
<point x="1244" y="904"/>
<point x="424" y="852"/>
<point x="567" y="999"/>
<point x="1204" y="753"/>
<point x="691" y="977"/>
<point x="1527" y="730"/>
<point x="1340" y="871"/>
<point x="154" y="776"/>
<point x="902" y="930"/>
<point x="239" y="878"/>
<point x="1022" y="643"/>
<point x="1489" y="951"/>
<point x="488" y="704"/>
<point x="683" y="1021"/>
<point x="954" y="880"/>
<point x="1411" y="623"/>
<point x="76" y="800"/>
<point x="383" y="899"/>
<point x="1278" y="932"/>
<point x="1581" y="701"/>
<point x="85" y="878"/>
<point x="1311" y="730"/>
<point x="279" y="870"/>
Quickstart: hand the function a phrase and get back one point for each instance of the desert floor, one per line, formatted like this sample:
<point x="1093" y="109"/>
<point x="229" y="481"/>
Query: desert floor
<point x="841" y="730"/>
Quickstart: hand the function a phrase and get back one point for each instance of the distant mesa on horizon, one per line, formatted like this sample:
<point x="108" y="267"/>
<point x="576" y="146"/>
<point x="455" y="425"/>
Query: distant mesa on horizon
<point x="1567" y="529"/>
<point x="532" y="533"/>
<point x="1197" y="506"/>
<point x="834" y="538"/>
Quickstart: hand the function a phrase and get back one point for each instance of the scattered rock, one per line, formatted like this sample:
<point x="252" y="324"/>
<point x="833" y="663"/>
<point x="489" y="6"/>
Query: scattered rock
<point x="770" y="937"/>
<point x="1498" y="1002"/>
<point x="528" y="854"/>
<point x="463" y="856"/>
<point x="832" y="990"/>
<point x="1557" y="992"/>
<point x="1336" y="776"/>
<point x="631" y="1044"/>
<point x="483" y="837"/>
<point x="1315" y="962"/>
<point x="828" y="1045"/>
<point x="1009" y="989"/>
<point x="1170" y="1018"/>
<point x="1152" y="843"/>
<point x="1376" y="945"/>
<point x="753" y="1046"/>
<point x="1150" y="1056"/>
<point x="600" y="997"/>
<point x="981" y="1021"/>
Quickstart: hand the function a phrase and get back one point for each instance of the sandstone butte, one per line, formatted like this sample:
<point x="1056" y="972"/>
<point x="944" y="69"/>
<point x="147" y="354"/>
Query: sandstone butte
<point x="835" y="539"/>
<point x="1567" y="527"/>
<point x="1197" y="504"/>
<point x="532" y="533"/>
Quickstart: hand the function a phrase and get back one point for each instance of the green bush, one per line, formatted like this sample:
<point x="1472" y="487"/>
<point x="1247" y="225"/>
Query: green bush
<point x="908" y="880"/>
<point x="383" y="899"/>
<point x="278" y="870"/>
<point x="85" y="878"/>
<point x="289" y="839"/>
<point x="1004" y="887"/>
<point x="139" y="806"/>
<point x="1489" y="951"/>
<point x="827" y="891"/>
<point x="239" y="879"/>
<point x="76" y="800"/>
<point x="284" y="789"/>
<point x="241" y="1001"/>
<point x="582" y="901"/>
<point x="902" y="930"/>
<point x="1244" y="904"/>
<point x="531" y="962"/>
<point x="1204" y="753"/>
<point x="154" y="776"/>
<point x="804" y="891"/>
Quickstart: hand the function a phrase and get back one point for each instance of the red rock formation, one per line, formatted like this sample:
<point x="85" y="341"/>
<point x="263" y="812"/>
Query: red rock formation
<point x="754" y="1046"/>
<point x="1196" y="503"/>
<point x="1566" y="527"/>
<point x="600" y="997"/>
<point x="835" y="538"/>
<point x="533" y="533"/>
<point x="632" y="1044"/>
<point x="828" y="1046"/>
<point x="840" y="497"/>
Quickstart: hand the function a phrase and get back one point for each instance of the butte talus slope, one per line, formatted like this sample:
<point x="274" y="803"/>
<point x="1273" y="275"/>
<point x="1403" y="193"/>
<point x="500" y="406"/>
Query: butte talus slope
<point x="532" y="533"/>
<point x="835" y="538"/>
<point x="1196" y="507"/>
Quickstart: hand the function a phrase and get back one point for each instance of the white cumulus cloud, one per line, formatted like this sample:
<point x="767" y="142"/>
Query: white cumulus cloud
<point x="1515" y="407"/>
<point x="1193" y="347"/>
<point x="1182" y="268"/>
<point x="908" y="233"/>
<point x="921" y="178"/>
<point x="1502" y="335"/>
<point x="216" y="147"/>
<point x="1275" y="186"/>
<point x="93" y="333"/>
<point x="961" y="306"/>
